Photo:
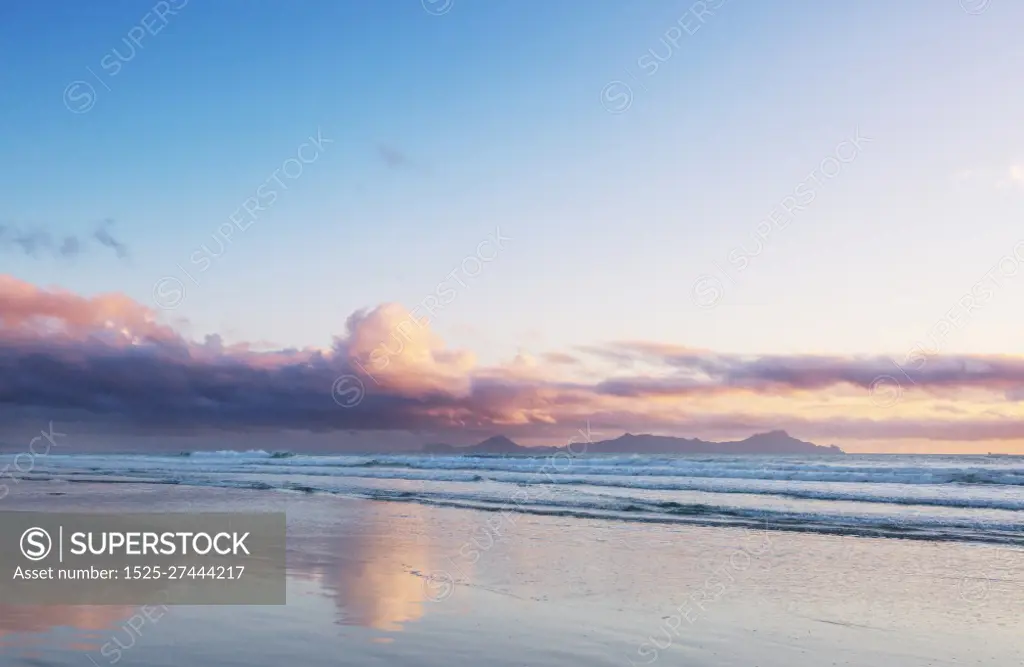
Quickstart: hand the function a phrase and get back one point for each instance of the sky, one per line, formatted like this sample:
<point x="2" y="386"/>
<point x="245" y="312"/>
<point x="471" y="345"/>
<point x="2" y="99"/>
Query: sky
<point x="703" y="219"/>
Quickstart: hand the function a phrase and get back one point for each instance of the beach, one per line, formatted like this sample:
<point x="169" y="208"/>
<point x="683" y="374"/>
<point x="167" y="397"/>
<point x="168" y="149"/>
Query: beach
<point x="512" y="334"/>
<point x="373" y="582"/>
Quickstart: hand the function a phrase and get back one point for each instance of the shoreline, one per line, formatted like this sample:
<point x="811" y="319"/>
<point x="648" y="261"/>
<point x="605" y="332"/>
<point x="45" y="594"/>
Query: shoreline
<point x="393" y="581"/>
<point x="903" y="498"/>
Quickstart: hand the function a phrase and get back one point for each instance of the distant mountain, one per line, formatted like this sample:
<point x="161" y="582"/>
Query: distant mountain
<point x="772" y="442"/>
<point x="498" y="444"/>
<point x="780" y="442"/>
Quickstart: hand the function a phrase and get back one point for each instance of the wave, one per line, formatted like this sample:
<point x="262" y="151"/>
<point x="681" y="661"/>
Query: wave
<point x="994" y="472"/>
<point x="228" y="454"/>
<point x="231" y="454"/>
<point x="969" y="498"/>
<point x="920" y="496"/>
<point x="911" y="526"/>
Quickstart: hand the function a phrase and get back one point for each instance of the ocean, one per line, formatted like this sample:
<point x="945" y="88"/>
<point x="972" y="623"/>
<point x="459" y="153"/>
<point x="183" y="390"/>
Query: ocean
<point x="945" y="498"/>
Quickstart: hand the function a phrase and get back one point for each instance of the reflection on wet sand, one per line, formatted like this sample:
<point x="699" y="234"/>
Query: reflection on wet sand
<point x="374" y="565"/>
<point x="28" y="626"/>
<point x="376" y="575"/>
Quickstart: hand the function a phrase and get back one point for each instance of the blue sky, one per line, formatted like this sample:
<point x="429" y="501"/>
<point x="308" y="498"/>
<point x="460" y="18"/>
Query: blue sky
<point x="492" y="115"/>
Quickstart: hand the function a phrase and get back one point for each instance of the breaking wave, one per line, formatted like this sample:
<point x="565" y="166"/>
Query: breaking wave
<point x="914" y="497"/>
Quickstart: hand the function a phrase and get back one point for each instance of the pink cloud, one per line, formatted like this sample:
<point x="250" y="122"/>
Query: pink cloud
<point x="106" y="360"/>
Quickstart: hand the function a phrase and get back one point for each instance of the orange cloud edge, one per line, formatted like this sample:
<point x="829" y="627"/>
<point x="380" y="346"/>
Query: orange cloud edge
<point x="109" y="359"/>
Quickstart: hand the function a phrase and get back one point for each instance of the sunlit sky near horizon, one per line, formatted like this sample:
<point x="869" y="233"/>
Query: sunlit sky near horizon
<point x="628" y="154"/>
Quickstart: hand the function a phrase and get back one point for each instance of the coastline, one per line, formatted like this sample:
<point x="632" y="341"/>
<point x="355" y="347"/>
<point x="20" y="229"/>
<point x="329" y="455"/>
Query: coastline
<point x="411" y="584"/>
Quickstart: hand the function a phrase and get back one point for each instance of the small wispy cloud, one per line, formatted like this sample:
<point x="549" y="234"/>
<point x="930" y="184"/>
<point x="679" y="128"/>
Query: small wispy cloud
<point x="70" y="247"/>
<point x="39" y="243"/>
<point x="105" y="238"/>
<point x="392" y="157"/>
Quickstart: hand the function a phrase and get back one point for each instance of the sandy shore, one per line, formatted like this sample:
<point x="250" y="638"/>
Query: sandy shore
<point x="402" y="584"/>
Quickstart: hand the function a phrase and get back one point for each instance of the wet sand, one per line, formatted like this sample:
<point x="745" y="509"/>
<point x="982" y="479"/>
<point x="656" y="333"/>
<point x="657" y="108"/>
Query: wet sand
<point x="402" y="584"/>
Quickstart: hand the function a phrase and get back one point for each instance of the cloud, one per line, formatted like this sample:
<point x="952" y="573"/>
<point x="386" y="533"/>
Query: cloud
<point x="70" y="247"/>
<point x="106" y="239"/>
<point x="560" y="358"/>
<point x="38" y="243"/>
<point x="107" y="361"/>
<point x="392" y="157"/>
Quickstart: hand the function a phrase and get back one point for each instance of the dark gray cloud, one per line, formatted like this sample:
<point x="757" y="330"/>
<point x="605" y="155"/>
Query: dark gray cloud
<point x="704" y="371"/>
<point x="159" y="387"/>
<point x="165" y="386"/>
